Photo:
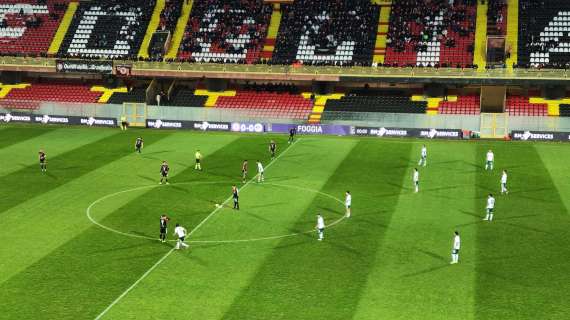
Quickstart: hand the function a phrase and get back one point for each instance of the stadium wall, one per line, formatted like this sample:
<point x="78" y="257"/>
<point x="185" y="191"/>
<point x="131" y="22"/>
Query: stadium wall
<point x="377" y="120"/>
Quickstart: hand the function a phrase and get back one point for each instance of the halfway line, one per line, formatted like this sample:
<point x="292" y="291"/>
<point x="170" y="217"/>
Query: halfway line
<point x="189" y="234"/>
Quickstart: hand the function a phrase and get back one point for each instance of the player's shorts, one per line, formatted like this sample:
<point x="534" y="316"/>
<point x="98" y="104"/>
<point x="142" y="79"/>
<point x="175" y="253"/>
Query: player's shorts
<point x="321" y="230"/>
<point x="164" y="175"/>
<point x="417" y="183"/>
<point x="455" y="251"/>
<point x="124" y="123"/>
<point x="244" y="171"/>
<point x="490" y="210"/>
<point x="162" y="230"/>
<point x="181" y="239"/>
<point x="138" y="146"/>
<point x="489" y="162"/>
<point x="197" y="160"/>
<point x="42" y="161"/>
<point x="348" y="206"/>
<point x="236" y="199"/>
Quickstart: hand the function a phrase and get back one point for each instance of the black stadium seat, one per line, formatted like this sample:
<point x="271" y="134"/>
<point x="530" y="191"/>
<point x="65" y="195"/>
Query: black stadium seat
<point x="108" y="29"/>
<point x="378" y="103"/>
<point x="324" y="32"/>
<point x="186" y="98"/>
<point x="136" y="95"/>
<point x="565" y="110"/>
<point x="543" y="33"/>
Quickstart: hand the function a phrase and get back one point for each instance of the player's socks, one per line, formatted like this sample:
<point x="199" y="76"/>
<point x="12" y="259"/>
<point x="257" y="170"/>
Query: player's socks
<point x="486" y="217"/>
<point x="491" y="217"/>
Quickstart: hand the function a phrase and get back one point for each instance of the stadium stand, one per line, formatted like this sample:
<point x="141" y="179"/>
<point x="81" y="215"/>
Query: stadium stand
<point x="322" y="32"/>
<point x="27" y="27"/>
<point x="225" y="31"/>
<point x="497" y="17"/>
<point x="374" y="103"/>
<point x="186" y="98"/>
<point x="565" y="110"/>
<point x="468" y="104"/>
<point x="431" y="33"/>
<point x="268" y="104"/>
<point x="109" y="29"/>
<point x="520" y="106"/>
<point x="543" y="34"/>
<point x="168" y="20"/>
<point x="54" y="91"/>
<point x="136" y="95"/>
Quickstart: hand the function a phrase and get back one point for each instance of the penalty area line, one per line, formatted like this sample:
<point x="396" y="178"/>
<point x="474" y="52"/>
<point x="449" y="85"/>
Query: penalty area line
<point x="154" y="266"/>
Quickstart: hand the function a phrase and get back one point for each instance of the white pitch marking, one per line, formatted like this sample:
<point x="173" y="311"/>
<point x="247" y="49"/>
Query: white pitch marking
<point x="172" y="250"/>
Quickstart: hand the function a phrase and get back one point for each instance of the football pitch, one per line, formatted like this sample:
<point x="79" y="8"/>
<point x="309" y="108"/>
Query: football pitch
<point x="81" y="240"/>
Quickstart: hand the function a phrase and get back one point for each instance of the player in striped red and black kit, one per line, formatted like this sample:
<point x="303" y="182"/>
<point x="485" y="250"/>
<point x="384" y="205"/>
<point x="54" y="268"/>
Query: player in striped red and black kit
<point x="235" y="195"/>
<point x="244" y="171"/>
<point x="43" y="161"/>
<point x="164" y="169"/>
<point x="163" y="227"/>
<point x="272" y="149"/>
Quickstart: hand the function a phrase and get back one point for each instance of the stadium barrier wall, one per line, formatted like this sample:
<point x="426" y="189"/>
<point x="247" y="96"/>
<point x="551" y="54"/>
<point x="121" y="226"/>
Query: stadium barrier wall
<point x="196" y="118"/>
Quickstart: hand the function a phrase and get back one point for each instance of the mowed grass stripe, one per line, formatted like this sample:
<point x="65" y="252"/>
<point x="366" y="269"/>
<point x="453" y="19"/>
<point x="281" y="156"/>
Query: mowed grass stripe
<point x="325" y="280"/>
<point x="555" y="159"/>
<point x="414" y="258"/>
<point x="522" y="256"/>
<point x="58" y="215"/>
<point x="16" y="134"/>
<point x="97" y="265"/>
<point x="210" y="276"/>
<point x="23" y="153"/>
<point x="62" y="169"/>
<point x="192" y="195"/>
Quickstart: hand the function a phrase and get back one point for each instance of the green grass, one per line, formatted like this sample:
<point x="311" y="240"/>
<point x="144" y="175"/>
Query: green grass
<point x="389" y="261"/>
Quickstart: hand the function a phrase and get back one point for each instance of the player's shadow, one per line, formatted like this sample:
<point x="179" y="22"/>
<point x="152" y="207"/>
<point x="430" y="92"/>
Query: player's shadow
<point x="157" y="152"/>
<point x="283" y="178"/>
<point x="469" y="213"/>
<point x="297" y="243"/>
<point x="321" y="208"/>
<point x="527" y="228"/>
<point x="175" y="187"/>
<point x="431" y="254"/>
<point x="531" y="190"/>
<point x="142" y="234"/>
<point x="258" y="217"/>
<point x="424" y="271"/>
<point x="268" y="205"/>
<point x="472" y="214"/>
<point x="50" y="175"/>
<point x="147" y="178"/>
<point x="518" y="217"/>
<point x="441" y="188"/>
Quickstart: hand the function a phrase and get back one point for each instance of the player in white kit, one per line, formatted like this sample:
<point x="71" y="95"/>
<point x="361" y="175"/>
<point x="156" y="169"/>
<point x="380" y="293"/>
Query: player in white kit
<point x="320" y="227"/>
<point x="455" y="248"/>
<point x="416" y="179"/>
<point x="347" y="203"/>
<point x="423" y="158"/>
<point x="490" y="160"/>
<point x="504" y="183"/>
<point x="490" y="208"/>
<point x="260" y="176"/>
<point x="180" y="232"/>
